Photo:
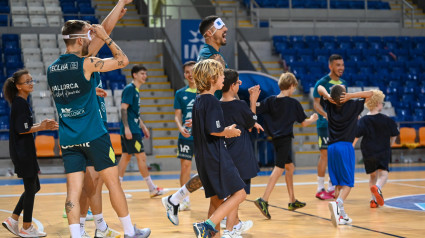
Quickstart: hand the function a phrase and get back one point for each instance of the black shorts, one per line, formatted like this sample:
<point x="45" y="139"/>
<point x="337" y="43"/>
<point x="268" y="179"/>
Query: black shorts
<point x="322" y="133"/>
<point x="247" y="185"/>
<point x="185" y="149"/>
<point x="283" y="151"/>
<point x="373" y="163"/>
<point x="97" y="153"/>
<point x="133" y="146"/>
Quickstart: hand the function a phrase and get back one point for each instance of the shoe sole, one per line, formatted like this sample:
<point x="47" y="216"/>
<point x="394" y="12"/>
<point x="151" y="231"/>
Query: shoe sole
<point x="261" y="210"/>
<point x="333" y="218"/>
<point x="165" y="206"/>
<point x="7" y="228"/>
<point x="197" y="233"/>
<point x="379" y="198"/>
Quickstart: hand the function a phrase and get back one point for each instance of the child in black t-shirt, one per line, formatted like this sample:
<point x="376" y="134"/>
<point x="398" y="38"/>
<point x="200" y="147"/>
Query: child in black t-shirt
<point x="342" y="122"/>
<point x="240" y="148"/>
<point x="379" y="133"/>
<point x="280" y="112"/>
<point x="216" y="169"/>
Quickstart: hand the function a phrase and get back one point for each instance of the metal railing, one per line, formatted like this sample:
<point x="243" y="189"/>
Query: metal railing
<point x="406" y="8"/>
<point x="251" y="50"/>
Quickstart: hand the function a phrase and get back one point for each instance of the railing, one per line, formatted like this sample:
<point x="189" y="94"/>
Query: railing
<point x="172" y="63"/>
<point x="405" y="9"/>
<point x="251" y="50"/>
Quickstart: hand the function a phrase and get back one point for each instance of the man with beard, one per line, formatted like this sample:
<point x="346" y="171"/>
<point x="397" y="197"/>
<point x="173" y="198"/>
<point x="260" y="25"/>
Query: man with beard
<point x="82" y="133"/>
<point x="214" y="31"/>
<point x="336" y="66"/>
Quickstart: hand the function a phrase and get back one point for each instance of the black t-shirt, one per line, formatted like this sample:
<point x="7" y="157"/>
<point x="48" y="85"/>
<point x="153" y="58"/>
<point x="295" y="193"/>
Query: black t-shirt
<point x="342" y="121"/>
<point x="376" y="131"/>
<point x="22" y="146"/>
<point x="279" y="114"/>
<point x="241" y="148"/>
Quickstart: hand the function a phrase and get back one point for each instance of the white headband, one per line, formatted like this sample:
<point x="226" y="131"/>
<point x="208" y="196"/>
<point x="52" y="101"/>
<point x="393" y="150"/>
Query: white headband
<point x="73" y="36"/>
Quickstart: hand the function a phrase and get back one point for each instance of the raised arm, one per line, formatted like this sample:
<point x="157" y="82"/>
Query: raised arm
<point x="109" y="24"/>
<point x="254" y="93"/>
<point x="94" y="64"/>
<point x="363" y="94"/>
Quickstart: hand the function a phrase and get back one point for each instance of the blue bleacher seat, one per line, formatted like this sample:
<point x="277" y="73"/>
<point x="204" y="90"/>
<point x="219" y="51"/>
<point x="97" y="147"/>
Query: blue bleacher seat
<point x="282" y="4"/>
<point x="289" y="58"/>
<point x="87" y="10"/>
<point x="311" y="38"/>
<point x="69" y="10"/>
<point x="91" y="19"/>
<point x="327" y="38"/>
<point x="3" y="20"/>
<point x="4" y="122"/>
<point x="329" y="45"/>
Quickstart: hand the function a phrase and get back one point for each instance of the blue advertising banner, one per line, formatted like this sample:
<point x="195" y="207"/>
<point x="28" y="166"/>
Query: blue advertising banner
<point x="192" y="40"/>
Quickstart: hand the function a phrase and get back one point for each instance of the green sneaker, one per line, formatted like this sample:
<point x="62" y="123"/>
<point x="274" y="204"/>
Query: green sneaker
<point x="263" y="206"/>
<point x="295" y="205"/>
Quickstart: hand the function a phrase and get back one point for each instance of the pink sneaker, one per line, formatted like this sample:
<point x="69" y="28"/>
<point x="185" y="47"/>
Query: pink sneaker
<point x="158" y="192"/>
<point x="11" y="225"/>
<point x="323" y="195"/>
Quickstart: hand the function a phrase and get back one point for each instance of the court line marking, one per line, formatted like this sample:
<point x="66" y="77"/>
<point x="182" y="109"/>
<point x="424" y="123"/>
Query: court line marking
<point x="400" y="208"/>
<point x="327" y="219"/>
<point x="409" y="185"/>
<point x="40" y="226"/>
<point x="420" y="205"/>
<point x="252" y="185"/>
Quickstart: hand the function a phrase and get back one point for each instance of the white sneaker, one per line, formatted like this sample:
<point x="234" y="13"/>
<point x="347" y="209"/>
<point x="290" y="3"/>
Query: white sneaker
<point x="333" y="208"/>
<point x="171" y="210"/>
<point x="158" y="192"/>
<point x="31" y="232"/>
<point x="230" y="234"/>
<point x="140" y="233"/>
<point x="85" y="235"/>
<point x="184" y="206"/>
<point x="344" y="220"/>
<point x="244" y="226"/>
<point x="11" y="225"/>
<point x="128" y="196"/>
<point x="110" y="233"/>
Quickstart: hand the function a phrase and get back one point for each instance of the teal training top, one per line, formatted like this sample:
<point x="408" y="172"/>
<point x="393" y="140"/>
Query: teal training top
<point x="100" y="100"/>
<point x="205" y="53"/>
<point x="327" y="83"/>
<point x="130" y="96"/>
<point x="184" y="99"/>
<point x="76" y="101"/>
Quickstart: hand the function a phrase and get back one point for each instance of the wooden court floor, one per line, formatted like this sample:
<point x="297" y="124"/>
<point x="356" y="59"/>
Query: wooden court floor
<point x="311" y="221"/>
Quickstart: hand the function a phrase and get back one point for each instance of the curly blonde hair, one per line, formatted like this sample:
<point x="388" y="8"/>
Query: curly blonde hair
<point x="206" y="73"/>
<point x="377" y="97"/>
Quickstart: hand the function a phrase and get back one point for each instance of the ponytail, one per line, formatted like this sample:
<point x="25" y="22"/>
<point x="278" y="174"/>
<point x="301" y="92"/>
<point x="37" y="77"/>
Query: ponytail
<point x="9" y="88"/>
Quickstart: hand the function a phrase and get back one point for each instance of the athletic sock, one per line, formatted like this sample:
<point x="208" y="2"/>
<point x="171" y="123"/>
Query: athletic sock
<point x="149" y="182"/>
<point x="340" y="204"/>
<point x="82" y="224"/>
<point x="127" y="225"/>
<point x="237" y="226"/>
<point x="378" y="186"/>
<point x="74" y="229"/>
<point x="178" y="197"/>
<point x="320" y="183"/>
<point x="330" y="186"/>
<point x="186" y="199"/>
<point x="209" y="222"/>
<point x="100" y="222"/>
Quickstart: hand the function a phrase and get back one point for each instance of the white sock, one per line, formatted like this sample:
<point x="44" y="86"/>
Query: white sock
<point x="150" y="183"/>
<point x="74" y="229"/>
<point x="330" y="186"/>
<point x="121" y="179"/>
<point x="320" y="183"/>
<point x="127" y="225"/>
<point x="178" y="197"/>
<point x="82" y="224"/>
<point x="373" y="197"/>
<point x="340" y="204"/>
<point x="237" y="226"/>
<point x="187" y="199"/>
<point x="100" y="222"/>
<point x="378" y="186"/>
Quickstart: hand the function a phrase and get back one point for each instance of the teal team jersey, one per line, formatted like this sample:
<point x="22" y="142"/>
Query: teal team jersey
<point x="130" y="96"/>
<point x="101" y="100"/>
<point x="327" y="83"/>
<point x="184" y="99"/>
<point x="76" y="101"/>
<point x="205" y="53"/>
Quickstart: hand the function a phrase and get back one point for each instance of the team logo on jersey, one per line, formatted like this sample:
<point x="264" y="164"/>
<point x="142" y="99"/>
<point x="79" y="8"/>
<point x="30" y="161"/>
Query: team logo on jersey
<point x="87" y="144"/>
<point x="74" y="65"/>
<point x="217" y="123"/>
<point x="26" y="125"/>
<point x="184" y="148"/>
<point x="254" y="117"/>
<point x="68" y="112"/>
<point x="64" y="67"/>
<point x="257" y="104"/>
<point x="185" y="98"/>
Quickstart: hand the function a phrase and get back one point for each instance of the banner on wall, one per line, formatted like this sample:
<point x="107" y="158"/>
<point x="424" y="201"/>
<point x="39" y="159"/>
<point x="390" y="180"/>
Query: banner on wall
<point x="192" y="40"/>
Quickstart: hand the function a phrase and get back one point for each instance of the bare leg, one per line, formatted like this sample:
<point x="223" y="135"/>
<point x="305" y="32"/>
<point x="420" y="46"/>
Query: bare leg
<point x="215" y="202"/>
<point x="116" y="194"/>
<point x="289" y="177"/>
<point x="186" y="165"/>
<point x="277" y="172"/>
<point x="122" y="165"/>
<point x="344" y="192"/>
<point x="382" y="177"/>
<point x="74" y="185"/>
<point x="373" y="178"/>
<point x="232" y="219"/>
<point x="226" y="207"/>
<point x="323" y="162"/>
<point x="92" y="194"/>
<point x="141" y="163"/>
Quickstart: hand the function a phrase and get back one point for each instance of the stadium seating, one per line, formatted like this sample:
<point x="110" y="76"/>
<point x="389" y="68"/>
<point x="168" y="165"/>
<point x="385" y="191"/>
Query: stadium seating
<point x="45" y="146"/>
<point x="315" y="4"/>
<point x="398" y="72"/>
<point x="116" y="143"/>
